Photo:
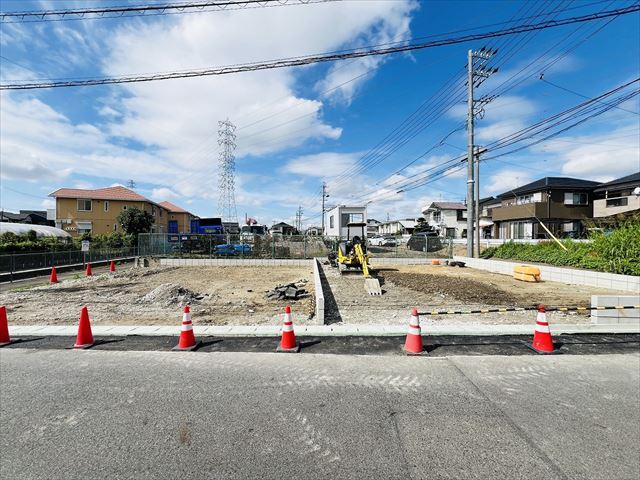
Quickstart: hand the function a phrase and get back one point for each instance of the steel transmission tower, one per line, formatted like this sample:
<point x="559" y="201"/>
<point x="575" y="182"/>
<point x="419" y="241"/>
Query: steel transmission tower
<point x="226" y="180"/>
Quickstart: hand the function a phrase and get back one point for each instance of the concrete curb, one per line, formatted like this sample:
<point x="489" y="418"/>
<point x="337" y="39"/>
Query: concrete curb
<point x="318" y="330"/>
<point x="319" y="293"/>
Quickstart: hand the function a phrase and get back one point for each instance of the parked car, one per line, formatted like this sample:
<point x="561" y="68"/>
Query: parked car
<point x="380" y="241"/>
<point x="229" y="249"/>
<point x="425" y="242"/>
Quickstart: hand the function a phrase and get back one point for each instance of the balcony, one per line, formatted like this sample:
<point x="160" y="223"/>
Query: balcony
<point x="518" y="212"/>
<point x="613" y="205"/>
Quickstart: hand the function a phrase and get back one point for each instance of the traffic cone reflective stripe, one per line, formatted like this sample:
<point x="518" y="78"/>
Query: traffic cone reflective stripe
<point x="85" y="337"/>
<point x="542" y="341"/>
<point x="88" y="272"/>
<point x="112" y="266"/>
<point x="187" y="338"/>
<point x="54" y="276"/>
<point x="4" y="327"/>
<point x="288" y="339"/>
<point x="413" y="343"/>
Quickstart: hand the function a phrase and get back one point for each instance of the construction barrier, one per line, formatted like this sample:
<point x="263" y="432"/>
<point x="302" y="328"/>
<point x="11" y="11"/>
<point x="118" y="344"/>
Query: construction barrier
<point x="288" y="341"/>
<point x="528" y="309"/>
<point x="187" y="342"/>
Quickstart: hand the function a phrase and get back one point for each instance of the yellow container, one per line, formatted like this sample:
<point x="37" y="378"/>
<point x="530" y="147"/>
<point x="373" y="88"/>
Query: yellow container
<point x="526" y="274"/>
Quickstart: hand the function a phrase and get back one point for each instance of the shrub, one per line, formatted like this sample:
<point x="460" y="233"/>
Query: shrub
<point x="617" y="251"/>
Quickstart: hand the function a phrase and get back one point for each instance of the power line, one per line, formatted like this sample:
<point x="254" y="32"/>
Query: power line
<point x="125" y="11"/>
<point x="322" y="58"/>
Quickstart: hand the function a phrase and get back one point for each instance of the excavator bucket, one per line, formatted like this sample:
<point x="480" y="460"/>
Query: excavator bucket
<point x="372" y="286"/>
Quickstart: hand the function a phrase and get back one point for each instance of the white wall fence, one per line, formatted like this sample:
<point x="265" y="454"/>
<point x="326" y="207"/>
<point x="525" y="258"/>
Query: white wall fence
<point x="572" y="276"/>
<point x="494" y="242"/>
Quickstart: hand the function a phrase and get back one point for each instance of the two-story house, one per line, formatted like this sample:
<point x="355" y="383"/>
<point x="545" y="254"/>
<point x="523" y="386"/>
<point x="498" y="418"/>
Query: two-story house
<point x="619" y="196"/>
<point x="95" y="211"/>
<point x="337" y="219"/>
<point x="179" y="220"/>
<point x="283" y="228"/>
<point x="563" y="204"/>
<point x="487" y="226"/>
<point x="404" y="226"/>
<point x="449" y="219"/>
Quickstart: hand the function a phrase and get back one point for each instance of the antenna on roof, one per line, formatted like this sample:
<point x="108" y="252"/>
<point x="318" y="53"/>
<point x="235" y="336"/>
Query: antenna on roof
<point x="131" y="184"/>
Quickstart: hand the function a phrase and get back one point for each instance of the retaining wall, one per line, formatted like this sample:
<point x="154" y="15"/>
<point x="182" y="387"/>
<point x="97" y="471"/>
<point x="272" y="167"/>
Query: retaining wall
<point x="221" y="262"/>
<point x="572" y="276"/>
<point x="607" y="317"/>
<point x="319" y="293"/>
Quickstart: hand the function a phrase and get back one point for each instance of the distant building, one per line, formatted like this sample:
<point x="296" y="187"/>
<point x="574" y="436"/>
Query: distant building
<point x="619" y="196"/>
<point x="313" y="231"/>
<point x="403" y="226"/>
<point x="561" y="203"/>
<point x="373" y="227"/>
<point x="337" y="219"/>
<point x="283" y="228"/>
<point x="32" y="217"/>
<point x="488" y="227"/>
<point x="95" y="211"/>
<point x="179" y="220"/>
<point x="449" y="219"/>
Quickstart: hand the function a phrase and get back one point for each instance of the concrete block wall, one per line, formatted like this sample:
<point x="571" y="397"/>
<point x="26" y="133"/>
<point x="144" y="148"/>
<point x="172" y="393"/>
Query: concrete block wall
<point x="374" y="261"/>
<point x="572" y="276"/>
<point x="608" y="317"/>
<point x="225" y="262"/>
<point x="319" y="293"/>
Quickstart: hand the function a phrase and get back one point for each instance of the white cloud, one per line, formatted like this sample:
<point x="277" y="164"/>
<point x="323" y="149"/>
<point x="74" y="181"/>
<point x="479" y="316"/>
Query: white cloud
<point x="505" y="180"/>
<point x="161" y="194"/>
<point x="324" y="165"/>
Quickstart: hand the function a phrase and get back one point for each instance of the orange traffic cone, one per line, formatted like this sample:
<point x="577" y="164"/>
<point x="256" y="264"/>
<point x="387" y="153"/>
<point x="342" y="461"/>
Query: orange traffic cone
<point x="88" y="272"/>
<point x="85" y="337"/>
<point x="112" y="266"/>
<point x="54" y="276"/>
<point x="187" y="340"/>
<point x="4" y="327"/>
<point x="288" y="340"/>
<point x="542" y="341"/>
<point x="413" y="343"/>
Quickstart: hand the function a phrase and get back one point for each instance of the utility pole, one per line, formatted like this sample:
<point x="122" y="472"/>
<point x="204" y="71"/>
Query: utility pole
<point x="473" y="72"/>
<point x="299" y="219"/>
<point x="477" y="209"/>
<point x="324" y="195"/>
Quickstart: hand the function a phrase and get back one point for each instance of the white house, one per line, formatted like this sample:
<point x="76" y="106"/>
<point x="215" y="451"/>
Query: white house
<point x="373" y="227"/>
<point x="449" y="219"/>
<point x="336" y="220"/>
<point x="404" y="226"/>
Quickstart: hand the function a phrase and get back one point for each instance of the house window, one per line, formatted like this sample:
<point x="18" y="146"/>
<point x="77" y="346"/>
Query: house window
<point x="450" y="233"/>
<point x="523" y="199"/>
<point x="124" y="207"/>
<point x="617" y="202"/>
<point x="115" y="227"/>
<point x="84" y="205"/>
<point x="83" y="227"/>
<point x="160" y="212"/>
<point x="572" y="198"/>
<point x="106" y="205"/>
<point x="437" y="216"/>
<point x="331" y="221"/>
<point x="153" y="210"/>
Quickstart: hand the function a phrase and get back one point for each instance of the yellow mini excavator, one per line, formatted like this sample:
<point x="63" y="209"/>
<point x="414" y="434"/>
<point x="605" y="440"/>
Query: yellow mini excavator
<point x="352" y="254"/>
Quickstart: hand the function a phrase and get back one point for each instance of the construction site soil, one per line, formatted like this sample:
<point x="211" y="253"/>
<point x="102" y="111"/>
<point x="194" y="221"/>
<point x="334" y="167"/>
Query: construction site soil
<point x="154" y="296"/>
<point x="244" y="295"/>
<point x="428" y="287"/>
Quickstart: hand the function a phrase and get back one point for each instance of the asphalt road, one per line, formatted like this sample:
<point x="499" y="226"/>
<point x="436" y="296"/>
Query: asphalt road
<point x="121" y="414"/>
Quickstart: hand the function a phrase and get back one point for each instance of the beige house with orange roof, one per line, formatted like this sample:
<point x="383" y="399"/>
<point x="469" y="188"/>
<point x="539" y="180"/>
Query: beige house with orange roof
<point x="179" y="218"/>
<point x="80" y="211"/>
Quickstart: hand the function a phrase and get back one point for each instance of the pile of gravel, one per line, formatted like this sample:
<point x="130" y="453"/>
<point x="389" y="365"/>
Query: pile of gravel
<point x="169" y="294"/>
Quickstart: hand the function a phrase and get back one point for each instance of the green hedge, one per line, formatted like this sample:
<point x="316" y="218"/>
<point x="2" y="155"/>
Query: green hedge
<point x="617" y="251"/>
<point x="28" y="243"/>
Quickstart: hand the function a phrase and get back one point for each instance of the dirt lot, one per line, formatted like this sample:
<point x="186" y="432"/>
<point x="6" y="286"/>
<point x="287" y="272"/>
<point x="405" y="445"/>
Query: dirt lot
<point x="439" y="287"/>
<point x="154" y="296"/>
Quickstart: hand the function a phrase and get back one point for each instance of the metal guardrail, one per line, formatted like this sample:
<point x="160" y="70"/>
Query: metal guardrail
<point x="528" y="309"/>
<point x="17" y="262"/>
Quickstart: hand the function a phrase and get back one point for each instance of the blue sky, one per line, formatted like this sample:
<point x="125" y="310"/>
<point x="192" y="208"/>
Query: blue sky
<point x="301" y="126"/>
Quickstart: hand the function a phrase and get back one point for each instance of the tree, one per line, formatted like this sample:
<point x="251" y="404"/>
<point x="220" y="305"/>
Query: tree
<point x="135" y="221"/>
<point x="422" y="226"/>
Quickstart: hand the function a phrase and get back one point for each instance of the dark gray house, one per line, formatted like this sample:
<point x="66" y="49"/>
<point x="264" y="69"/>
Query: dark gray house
<point x="562" y="204"/>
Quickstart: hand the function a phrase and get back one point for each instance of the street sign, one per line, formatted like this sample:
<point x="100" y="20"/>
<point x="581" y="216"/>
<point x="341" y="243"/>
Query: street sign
<point x="85" y="245"/>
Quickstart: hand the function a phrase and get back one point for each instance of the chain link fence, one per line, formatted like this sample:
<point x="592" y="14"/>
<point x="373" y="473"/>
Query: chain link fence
<point x="283" y="246"/>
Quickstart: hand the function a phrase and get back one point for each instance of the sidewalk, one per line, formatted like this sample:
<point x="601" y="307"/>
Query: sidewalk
<point x="318" y="330"/>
